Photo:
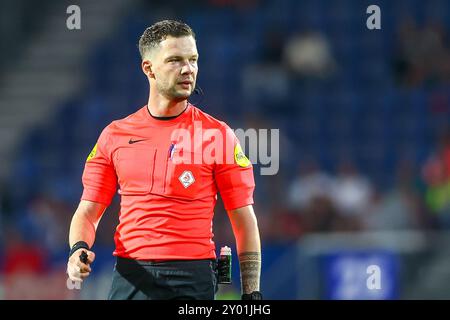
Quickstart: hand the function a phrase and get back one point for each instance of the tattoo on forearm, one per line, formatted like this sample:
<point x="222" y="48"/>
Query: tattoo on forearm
<point x="250" y="264"/>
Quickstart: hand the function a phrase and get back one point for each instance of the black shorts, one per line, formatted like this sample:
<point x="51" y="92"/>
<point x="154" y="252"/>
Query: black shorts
<point x="181" y="279"/>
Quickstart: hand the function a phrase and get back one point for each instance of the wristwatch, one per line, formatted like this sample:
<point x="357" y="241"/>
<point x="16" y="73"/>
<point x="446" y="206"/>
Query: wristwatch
<point x="255" y="295"/>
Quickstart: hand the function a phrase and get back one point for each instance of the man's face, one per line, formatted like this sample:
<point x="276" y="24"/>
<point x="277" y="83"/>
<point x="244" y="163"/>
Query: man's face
<point x="174" y="65"/>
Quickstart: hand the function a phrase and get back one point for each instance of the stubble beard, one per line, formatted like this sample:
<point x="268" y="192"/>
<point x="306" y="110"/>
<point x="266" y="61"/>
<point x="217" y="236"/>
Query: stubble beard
<point x="173" y="94"/>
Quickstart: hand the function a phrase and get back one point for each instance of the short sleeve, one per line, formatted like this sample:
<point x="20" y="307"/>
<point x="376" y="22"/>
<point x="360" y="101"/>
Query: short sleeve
<point x="99" y="177"/>
<point x="234" y="174"/>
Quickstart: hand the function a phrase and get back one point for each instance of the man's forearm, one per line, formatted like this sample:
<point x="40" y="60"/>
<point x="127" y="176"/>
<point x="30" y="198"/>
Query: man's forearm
<point x="81" y="229"/>
<point x="250" y="265"/>
<point x="249" y="250"/>
<point x="84" y="222"/>
<point x="246" y="232"/>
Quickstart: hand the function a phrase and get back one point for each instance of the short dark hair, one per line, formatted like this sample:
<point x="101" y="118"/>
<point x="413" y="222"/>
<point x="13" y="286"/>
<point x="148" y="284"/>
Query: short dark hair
<point x="159" y="31"/>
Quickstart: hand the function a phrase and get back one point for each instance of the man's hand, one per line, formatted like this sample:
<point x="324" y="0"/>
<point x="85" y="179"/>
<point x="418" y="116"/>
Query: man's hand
<point x="77" y="270"/>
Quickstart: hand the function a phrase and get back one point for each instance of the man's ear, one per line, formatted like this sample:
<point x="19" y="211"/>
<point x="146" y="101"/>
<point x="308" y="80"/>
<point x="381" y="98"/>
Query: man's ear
<point x="147" y="68"/>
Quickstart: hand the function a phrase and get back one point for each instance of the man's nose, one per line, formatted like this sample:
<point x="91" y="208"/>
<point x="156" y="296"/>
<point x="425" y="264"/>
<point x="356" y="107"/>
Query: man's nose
<point x="187" y="68"/>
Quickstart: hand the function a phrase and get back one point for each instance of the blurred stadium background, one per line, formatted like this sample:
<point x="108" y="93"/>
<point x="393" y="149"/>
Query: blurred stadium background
<point x="364" y="136"/>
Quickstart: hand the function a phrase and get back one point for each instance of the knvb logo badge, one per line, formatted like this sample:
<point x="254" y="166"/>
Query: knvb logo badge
<point x="186" y="178"/>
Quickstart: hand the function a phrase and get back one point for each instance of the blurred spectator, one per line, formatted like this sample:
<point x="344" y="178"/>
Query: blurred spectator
<point x="423" y="56"/>
<point x="310" y="183"/>
<point x="436" y="174"/>
<point x="351" y="191"/>
<point x="265" y="82"/>
<point x="22" y="260"/>
<point x="21" y="256"/>
<point x="400" y="208"/>
<point x="310" y="197"/>
<point x="29" y="272"/>
<point x="321" y="215"/>
<point x="47" y="221"/>
<point x="309" y="55"/>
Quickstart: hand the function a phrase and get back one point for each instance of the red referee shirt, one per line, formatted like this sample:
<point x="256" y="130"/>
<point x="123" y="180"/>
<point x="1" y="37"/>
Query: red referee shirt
<point x="169" y="173"/>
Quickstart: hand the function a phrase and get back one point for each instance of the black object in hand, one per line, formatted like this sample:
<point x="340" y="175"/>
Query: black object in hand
<point x="84" y="257"/>
<point x="224" y="269"/>
<point x="224" y="266"/>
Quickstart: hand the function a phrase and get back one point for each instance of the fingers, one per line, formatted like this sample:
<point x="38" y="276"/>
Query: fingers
<point x="84" y="268"/>
<point x="73" y="272"/>
<point x="81" y="267"/>
<point x="77" y="270"/>
<point x="76" y="273"/>
<point x="91" y="256"/>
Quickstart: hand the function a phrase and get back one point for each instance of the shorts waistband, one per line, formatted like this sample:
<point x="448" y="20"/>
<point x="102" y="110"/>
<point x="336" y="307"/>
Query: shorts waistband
<point x="158" y="262"/>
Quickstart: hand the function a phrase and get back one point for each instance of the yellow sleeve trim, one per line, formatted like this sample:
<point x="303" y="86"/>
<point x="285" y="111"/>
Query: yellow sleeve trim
<point x="92" y="154"/>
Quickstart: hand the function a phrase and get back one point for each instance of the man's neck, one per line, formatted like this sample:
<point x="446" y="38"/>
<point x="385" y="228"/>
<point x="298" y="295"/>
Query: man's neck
<point x="162" y="107"/>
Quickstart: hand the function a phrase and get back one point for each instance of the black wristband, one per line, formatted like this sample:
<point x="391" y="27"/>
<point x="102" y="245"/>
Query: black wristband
<point x="255" y="295"/>
<point x="78" y="245"/>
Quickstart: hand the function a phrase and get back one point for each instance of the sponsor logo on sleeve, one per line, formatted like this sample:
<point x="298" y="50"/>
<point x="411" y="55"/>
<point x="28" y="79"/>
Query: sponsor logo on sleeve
<point x="240" y="157"/>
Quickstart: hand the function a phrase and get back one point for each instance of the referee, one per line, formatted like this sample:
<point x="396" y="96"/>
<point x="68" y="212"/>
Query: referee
<point x="169" y="160"/>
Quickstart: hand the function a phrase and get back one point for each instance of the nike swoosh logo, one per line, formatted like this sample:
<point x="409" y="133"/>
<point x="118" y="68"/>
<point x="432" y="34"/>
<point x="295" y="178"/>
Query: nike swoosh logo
<point x="134" y="141"/>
